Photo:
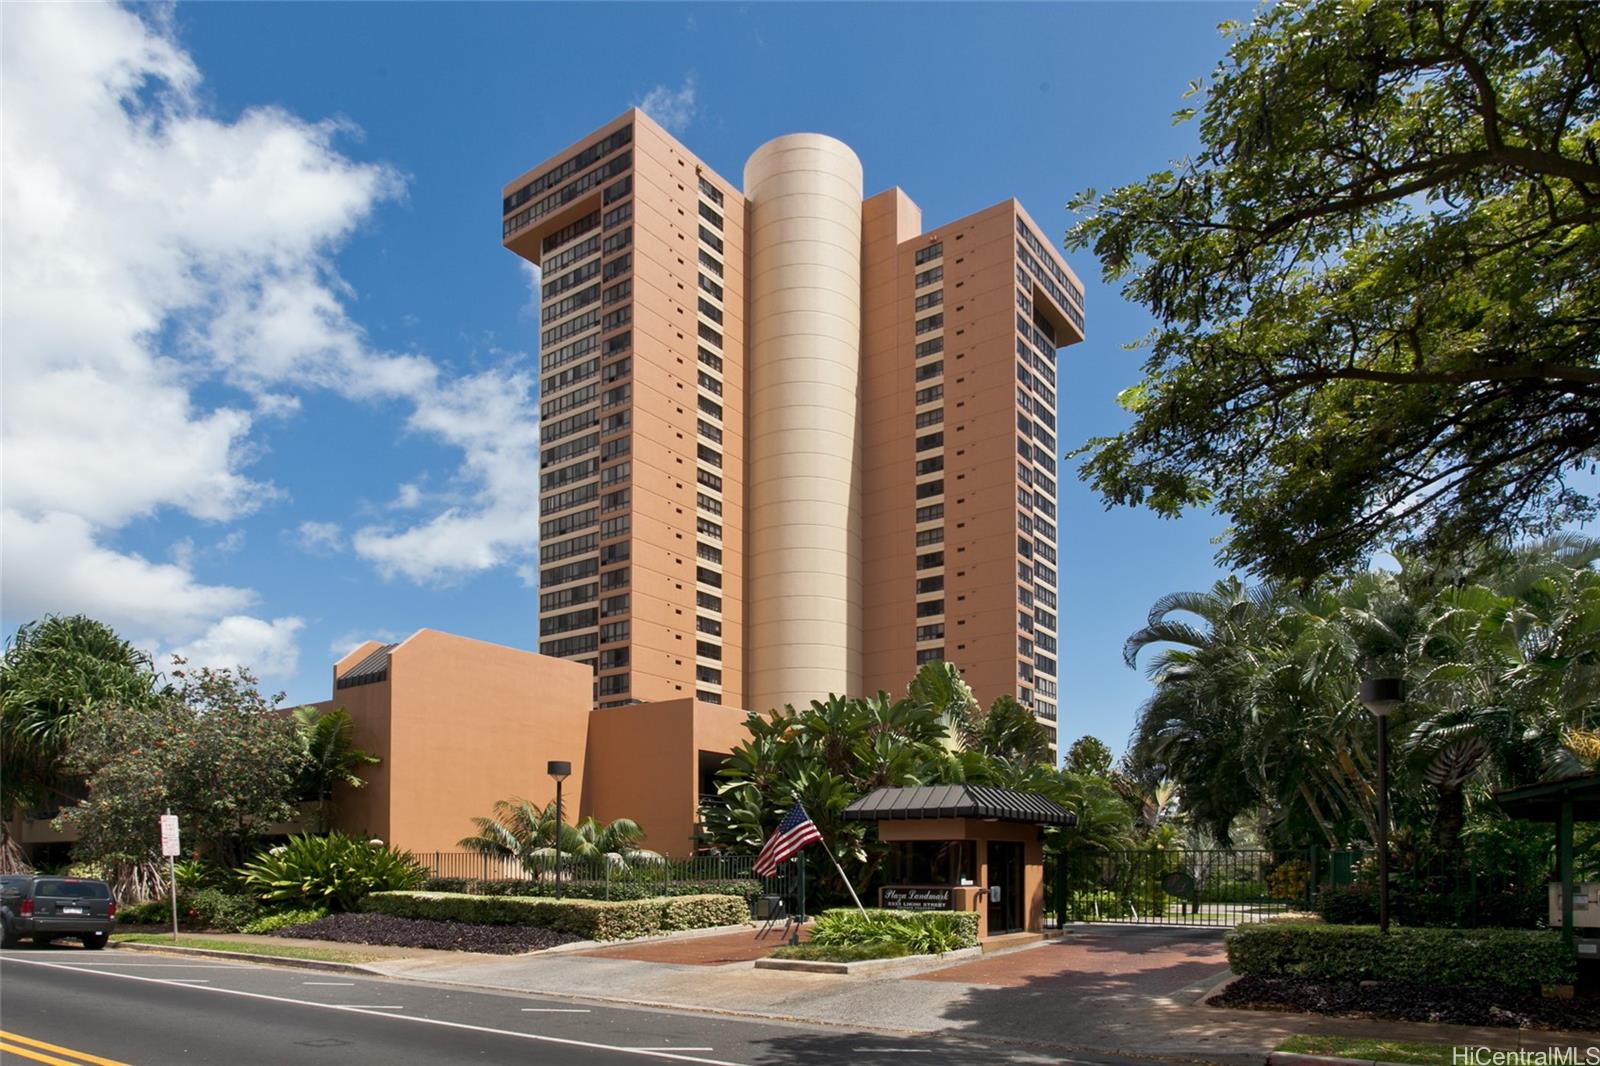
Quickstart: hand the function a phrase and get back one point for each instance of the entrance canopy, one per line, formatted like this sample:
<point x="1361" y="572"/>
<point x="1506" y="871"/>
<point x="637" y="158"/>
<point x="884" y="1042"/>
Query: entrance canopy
<point x="1542" y="802"/>
<point x="958" y="801"/>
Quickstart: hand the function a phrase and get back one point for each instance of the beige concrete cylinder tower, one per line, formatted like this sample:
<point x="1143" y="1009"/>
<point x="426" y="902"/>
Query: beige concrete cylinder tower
<point x="803" y="556"/>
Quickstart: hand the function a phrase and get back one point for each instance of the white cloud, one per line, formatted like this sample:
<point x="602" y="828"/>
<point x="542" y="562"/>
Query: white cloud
<point x="407" y="497"/>
<point x="319" y="538"/>
<point x="266" y="649"/>
<point x="347" y="642"/>
<point x="152" y="249"/>
<point x="673" y="108"/>
<point x="493" y="418"/>
<point x="534" y="277"/>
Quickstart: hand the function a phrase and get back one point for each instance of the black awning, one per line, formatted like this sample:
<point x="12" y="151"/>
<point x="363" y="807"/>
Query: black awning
<point x="958" y="801"/>
<point x="1542" y="802"/>
<point x="374" y="668"/>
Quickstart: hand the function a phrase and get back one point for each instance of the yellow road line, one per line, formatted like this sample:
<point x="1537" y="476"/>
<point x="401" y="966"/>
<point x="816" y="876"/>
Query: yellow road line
<point x="10" y="1049"/>
<point x="80" y="1056"/>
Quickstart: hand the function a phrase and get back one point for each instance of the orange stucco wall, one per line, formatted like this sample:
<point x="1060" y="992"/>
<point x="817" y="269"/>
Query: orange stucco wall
<point x="459" y="724"/>
<point x="643" y="763"/>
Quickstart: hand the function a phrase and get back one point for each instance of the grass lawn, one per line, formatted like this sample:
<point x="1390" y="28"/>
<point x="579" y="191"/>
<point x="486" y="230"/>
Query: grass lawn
<point x="286" y="951"/>
<point x="1349" y="1047"/>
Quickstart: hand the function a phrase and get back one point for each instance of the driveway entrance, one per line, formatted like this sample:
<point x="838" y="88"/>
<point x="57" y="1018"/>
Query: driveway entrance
<point x="1119" y="961"/>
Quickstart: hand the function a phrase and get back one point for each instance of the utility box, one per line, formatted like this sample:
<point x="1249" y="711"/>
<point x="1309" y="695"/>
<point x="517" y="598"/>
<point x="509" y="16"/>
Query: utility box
<point x="1585" y="905"/>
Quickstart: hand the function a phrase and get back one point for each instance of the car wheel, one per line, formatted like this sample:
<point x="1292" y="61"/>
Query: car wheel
<point x="94" y="941"/>
<point x="8" y="938"/>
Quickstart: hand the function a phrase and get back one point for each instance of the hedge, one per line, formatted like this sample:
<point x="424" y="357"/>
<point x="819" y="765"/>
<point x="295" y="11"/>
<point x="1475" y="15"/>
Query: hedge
<point x="1486" y="957"/>
<point x="745" y="889"/>
<point x="919" y="932"/>
<point x="588" y="918"/>
<point x="1518" y="907"/>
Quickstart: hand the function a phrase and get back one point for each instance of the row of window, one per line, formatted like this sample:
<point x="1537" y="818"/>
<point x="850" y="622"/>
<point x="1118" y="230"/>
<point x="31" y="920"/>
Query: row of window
<point x="566" y="168"/>
<point x="566" y="194"/>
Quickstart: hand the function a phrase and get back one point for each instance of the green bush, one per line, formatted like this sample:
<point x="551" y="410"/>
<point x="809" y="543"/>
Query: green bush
<point x="1094" y="906"/>
<point x="702" y="912"/>
<point x="1512" y="906"/>
<point x="271" y="923"/>
<point x="332" y="871"/>
<point x="919" y="932"/>
<point x="214" y="908"/>
<point x="151" y="912"/>
<point x="878" y="949"/>
<point x="1348" y="904"/>
<point x="1516" y="957"/>
<point x="745" y="889"/>
<point x="589" y="918"/>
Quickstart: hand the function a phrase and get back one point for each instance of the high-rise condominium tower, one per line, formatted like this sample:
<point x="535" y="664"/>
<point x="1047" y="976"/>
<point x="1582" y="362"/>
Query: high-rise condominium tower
<point x="791" y="444"/>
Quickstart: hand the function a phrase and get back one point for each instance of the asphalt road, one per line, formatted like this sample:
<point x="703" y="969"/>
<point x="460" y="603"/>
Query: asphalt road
<point x="65" y="1005"/>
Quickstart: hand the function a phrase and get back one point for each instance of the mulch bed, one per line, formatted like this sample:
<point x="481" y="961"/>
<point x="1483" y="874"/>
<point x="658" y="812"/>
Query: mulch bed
<point x="424" y="933"/>
<point x="1411" y="1003"/>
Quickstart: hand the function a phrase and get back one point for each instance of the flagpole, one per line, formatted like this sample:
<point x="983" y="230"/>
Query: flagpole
<point x="842" y="877"/>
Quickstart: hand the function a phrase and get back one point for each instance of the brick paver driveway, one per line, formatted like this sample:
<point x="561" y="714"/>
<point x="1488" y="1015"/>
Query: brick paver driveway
<point x="1104" y="960"/>
<point x="701" y="950"/>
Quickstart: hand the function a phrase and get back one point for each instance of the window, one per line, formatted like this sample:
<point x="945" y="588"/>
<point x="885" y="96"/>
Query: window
<point x="932" y="347"/>
<point x="930" y="253"/>
<point x="708" y="674"/>
<point x="708" y="528"/>
<point x="929" y="489"/>
<point x="617" y="215"/>
<point x="617" y="266"/>
<point x="708" y="333"/>
<point x="931" y="323"/>
<point x="614" y="605"/>
<point x="563" y="623"/>
<point x="613" y="632"/>
<point x="708" y="625"/>
<point x="930" y="584"/>
<point x="710" y="215"/>
<point x="930" y="299"/>
<point x="930" y="536"/>
<point x="709" y="383"/>
<point x="930" y="608"/>
<point x="614" y="579"/>
<point x="706" y="697"/>
<point x="930" y="370"/>
<point x="560" y="575"/>
<point x="711" y="359"/>
<point x="932" y="440"/>
<point x="613" y="658"/>
<point x="931" y="632"/>
<point x="614" y="553"/>
<point x="930" y="561"/>
<point x="930" y="466"/>
<point x="710" y="407"/>
<point x="568" y="597"/>
<point x="709" y="431"/>
<point x="706" y="650"/>
<point x="711" y="311"/>
<point x="712" y="287"/>
<point x="615" y="527"/>
<point x="707" y="600"/>
<point x="709" y="480"/>
<point x="930" y="418"/>
<point x="710" y="190"/>
<point x="613" y="448"/>
<point x="928" y="277"/>
<point x="613" y="474"/>
<point x="612" y="684"/>
<point x="931" y="513"/>
<point x="711" y="239"/>
<point x="706" y="503"/>
<point x="708" y="455"/>
<point x="929" y="394"/>
<point x="708" y="577"/>
<point x="568" y="474"/>
<point x="711" y="262"/>
<point x="567" y="647"/>
<point x="930" y="655"/>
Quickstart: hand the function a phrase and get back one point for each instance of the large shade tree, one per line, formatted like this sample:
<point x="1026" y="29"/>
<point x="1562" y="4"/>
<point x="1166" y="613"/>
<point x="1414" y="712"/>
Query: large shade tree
<point x="1376" y="284"/>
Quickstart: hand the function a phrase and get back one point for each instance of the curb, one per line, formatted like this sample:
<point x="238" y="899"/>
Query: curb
<point x="908" y="962"/>
<point x="1290" y="1058"/>
<point x="578" y="946"/>
<point x="242" y="956"/>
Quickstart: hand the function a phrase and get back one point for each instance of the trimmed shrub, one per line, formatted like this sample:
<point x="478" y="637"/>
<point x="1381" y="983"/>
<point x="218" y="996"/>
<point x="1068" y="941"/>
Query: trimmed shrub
<point x="588" y="918"/>
<point x="332" y="871"/>
<point x="1094" y="906"/>
<point x="919" y="932"/>
<point x="1515" y="907"/>
<point x="150" y="912"/>
<point x="746" y="889"/>
<point x="1348" y="904"/>
<point x="1470" y="957"/>
<point x="878" y="949"/>
<point x="271" y="923"/>
<point x="702" y="912"/>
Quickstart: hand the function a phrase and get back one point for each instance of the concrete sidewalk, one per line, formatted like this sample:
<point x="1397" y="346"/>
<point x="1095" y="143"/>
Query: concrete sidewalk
<point x="1131" y="992"/>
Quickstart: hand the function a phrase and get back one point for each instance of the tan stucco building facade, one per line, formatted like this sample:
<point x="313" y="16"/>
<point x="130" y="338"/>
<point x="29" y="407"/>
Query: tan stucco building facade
<point x="792" y="443"/>
<point x="460" y="724"/>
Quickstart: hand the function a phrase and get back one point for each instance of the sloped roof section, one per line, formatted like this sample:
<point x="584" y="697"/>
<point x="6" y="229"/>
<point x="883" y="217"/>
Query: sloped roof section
<point x="374" y="668"/>
<point x="958" y="801"/>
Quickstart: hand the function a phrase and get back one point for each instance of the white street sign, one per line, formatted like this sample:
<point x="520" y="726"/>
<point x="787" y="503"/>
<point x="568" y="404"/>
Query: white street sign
<point x="169" y="836"/>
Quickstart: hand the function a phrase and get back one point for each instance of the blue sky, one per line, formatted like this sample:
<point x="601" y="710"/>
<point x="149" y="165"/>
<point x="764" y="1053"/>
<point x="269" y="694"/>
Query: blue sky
<point x="268" y="384"/>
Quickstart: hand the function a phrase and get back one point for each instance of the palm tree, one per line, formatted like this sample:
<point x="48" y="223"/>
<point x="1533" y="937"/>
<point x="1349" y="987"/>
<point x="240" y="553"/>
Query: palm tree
<point x="327" y="740"/>
<point x="527" y="834"/>
<point x="55" y="669"/>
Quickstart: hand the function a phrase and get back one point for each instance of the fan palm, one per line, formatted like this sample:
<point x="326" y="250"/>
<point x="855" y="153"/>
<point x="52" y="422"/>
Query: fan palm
<point x="327" y="740"/>
<point x="528" y="834"/>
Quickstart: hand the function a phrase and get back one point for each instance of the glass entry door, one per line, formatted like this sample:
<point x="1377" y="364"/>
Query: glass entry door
<point x="1005" y="887"/>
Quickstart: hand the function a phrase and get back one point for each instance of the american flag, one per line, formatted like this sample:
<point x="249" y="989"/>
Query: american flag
<point x="793" y="833"/>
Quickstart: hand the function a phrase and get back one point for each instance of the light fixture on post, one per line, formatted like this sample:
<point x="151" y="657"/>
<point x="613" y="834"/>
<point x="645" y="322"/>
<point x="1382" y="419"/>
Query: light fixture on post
<point x="1383" y="696"/>
<point x="559" y="770"/>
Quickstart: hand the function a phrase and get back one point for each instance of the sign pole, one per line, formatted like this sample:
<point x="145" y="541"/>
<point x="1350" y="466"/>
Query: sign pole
<point x="169" y="848"/>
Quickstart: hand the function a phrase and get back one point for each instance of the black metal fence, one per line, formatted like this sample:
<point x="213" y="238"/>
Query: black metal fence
<point x="1226" y="887"/>
<point x="599" y="877"/>
<point x="1181" y="887"/>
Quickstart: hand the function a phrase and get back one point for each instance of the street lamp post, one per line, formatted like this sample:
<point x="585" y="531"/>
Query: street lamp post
<point x="559" y="770"/>
<point x="1381" y="696"/>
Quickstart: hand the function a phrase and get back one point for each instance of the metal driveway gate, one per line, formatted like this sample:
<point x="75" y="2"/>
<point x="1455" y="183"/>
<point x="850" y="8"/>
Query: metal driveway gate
<point x="1181" y="887"/>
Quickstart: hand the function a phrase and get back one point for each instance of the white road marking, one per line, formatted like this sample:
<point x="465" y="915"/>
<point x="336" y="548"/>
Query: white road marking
<point x="368" y="1006"/>
<point x="440" y="1022"/>
<point x="339" y="984"/>
<point x="556" y="1010"/>
<point x="667" y="1049"/>
<point x="187" y="980"/>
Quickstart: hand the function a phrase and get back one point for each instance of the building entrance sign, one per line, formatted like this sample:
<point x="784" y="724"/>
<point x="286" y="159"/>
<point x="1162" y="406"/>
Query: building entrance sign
<point x="916" y="898"/>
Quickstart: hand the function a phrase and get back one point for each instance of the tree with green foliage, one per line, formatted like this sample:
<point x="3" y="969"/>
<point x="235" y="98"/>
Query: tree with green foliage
<point x="1375" y="285"/>
<point x="53" y="671"/>
<point x="329" y="758"/>
<point x="521" y="831"/>
<point x="1089" y="755"/>
<point x="212" y="750"/>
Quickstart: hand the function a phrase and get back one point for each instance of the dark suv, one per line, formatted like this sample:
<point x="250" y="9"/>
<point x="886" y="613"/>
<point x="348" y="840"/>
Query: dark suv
<point x="42" y="908"/>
